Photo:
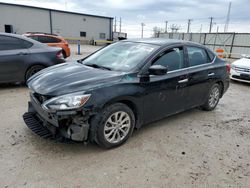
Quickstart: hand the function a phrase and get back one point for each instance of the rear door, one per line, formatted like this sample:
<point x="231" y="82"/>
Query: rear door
<point x="13" y="54"/>
<point x="200" y="73"/>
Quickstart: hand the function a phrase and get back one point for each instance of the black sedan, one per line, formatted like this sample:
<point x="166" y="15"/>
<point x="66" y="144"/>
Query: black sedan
<point x="21" y="57"/>
<point x="105" y="96"/>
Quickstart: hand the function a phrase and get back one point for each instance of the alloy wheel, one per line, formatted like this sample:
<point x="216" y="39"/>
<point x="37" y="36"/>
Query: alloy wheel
<point x="214" y="97"/>
<point x="117" y="127"/>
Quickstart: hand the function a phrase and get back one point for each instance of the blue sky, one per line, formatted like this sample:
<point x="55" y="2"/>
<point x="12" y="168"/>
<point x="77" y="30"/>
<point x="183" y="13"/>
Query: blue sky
<point x="156" y="12"/>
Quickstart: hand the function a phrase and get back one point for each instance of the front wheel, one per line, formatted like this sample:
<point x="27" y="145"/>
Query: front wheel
<point x="113" y="126"/>
<point x="213" y="98"/>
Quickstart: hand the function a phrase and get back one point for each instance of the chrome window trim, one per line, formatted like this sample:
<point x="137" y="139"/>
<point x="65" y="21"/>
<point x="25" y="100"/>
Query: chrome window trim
<point x="182" y="69"/>
<point x="187" y="68"/>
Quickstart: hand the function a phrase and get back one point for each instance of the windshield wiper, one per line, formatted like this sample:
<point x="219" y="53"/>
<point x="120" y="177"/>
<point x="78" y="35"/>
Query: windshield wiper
<point x="80" y="60"/>
<point x="98" y="66"/>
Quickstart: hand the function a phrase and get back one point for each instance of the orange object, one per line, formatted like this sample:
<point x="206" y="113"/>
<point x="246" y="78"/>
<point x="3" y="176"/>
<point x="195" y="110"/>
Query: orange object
<point x="220" y="52"/>
<point x="51" y="40"/>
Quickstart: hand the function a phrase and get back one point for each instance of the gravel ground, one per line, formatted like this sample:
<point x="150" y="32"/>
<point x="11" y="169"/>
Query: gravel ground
<point x="191" y="149"/>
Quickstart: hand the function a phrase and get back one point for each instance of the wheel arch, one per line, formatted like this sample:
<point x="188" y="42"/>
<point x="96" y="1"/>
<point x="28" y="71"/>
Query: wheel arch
<point x="130" y="102"/>
<point x="221" y="84"/>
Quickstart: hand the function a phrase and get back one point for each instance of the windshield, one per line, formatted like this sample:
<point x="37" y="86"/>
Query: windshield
<point x="120" y="56"/>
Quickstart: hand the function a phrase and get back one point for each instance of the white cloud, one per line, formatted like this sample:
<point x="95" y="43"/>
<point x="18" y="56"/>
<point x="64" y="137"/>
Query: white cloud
<point x="156" y="12"/>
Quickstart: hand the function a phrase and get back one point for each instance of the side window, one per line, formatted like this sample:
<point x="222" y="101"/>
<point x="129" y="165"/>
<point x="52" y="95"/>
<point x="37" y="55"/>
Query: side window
<point x="27" y="44"/>
<point x="46" y="39"/>
<point x="197" y="56"/>
<point x="42" y="39"/>
<point x="11" y="43"/>
<point x="33" y="37"/>
<point x="172" y="59"/>
<point x="211" y="55"/>
<point x="53" y="40"/>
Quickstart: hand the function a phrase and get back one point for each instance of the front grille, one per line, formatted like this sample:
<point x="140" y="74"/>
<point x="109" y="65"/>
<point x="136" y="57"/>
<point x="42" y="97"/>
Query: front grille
<point x="240" y="69"/>
<point x="33" y="123"/>
<point x="241" y="77"/>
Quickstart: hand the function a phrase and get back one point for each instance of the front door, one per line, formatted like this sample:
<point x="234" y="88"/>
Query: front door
<point x="166" y="94"/>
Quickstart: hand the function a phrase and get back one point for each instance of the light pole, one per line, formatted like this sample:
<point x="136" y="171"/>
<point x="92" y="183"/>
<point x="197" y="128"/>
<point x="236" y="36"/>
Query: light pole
<point x="189" y="23"/>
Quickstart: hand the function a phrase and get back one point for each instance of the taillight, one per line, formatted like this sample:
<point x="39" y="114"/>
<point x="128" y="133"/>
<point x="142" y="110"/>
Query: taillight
<point x="228" y="68"/>
<point x="59" y="55"/>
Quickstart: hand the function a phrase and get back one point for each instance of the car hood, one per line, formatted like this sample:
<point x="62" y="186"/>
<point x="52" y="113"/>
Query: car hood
<point x="70" y="77"/>
<point x="244" y="63"/>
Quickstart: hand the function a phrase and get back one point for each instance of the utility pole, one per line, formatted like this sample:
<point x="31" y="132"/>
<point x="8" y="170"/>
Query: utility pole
<point x="115" y="25"/>
<point x="142" y="25"/>
<point x="211" y="24"/>
<point x="120" y="25"/>
<point x="166" y="28"/>
<point x="228" y="17"/>
<point x="189" y="23"/>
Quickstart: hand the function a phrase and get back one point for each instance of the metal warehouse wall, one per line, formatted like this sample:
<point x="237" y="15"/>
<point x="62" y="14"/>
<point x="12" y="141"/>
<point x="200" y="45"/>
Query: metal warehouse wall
<point x="24" y="19"/>
<point x="66" y="24"/>
<point x="234" y="44"/>
<point x="70" y="25"/>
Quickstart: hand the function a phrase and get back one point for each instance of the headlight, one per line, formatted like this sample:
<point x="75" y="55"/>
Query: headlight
<point x="66" y="102"/>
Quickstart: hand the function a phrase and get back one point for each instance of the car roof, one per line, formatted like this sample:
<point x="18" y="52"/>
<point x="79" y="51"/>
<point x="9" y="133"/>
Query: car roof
<point x="23" y="38"/>
<point x="44" y="34"/>
<point x="17" y="36"/>
<point x="162" y="41"/>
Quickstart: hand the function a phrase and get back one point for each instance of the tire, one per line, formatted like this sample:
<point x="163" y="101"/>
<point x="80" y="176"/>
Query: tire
<point x="32" y="70"/>
<point x="213" y="98"/>
<point x="104" y="131"/>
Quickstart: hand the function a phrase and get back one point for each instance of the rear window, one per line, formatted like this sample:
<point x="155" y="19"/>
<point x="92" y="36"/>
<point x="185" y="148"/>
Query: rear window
<point x="197" y="56"/>
<point x="12" y="43"/>
<point x="47" y="39"/>
<point x="211" y="55"/>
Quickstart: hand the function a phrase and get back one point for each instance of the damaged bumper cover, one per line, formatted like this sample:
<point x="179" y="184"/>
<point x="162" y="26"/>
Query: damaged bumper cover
<point x="67" y="124"/>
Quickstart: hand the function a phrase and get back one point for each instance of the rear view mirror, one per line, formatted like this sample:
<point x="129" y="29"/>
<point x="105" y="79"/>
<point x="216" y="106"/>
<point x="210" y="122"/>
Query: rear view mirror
<point x="158" y="70"/>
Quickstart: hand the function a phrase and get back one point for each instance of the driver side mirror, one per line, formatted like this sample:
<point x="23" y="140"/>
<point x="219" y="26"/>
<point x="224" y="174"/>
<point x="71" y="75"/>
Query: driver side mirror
<point x="157" y="70"/>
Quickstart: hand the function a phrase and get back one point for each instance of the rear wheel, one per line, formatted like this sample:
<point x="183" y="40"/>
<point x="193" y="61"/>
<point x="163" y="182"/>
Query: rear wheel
<point x="33" y="70"/>
<point x="113" y="126"/>
<point x="213" y="98"/>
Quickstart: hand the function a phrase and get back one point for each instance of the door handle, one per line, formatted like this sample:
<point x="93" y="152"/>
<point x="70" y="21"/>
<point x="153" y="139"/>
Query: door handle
<point x="211" y="74"/>
<point x="183" y="81"/>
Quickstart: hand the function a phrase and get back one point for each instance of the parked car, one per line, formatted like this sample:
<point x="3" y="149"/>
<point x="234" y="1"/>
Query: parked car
<point x="51" y="40"/>
<point x="104" y="96"/>
<point x="21" y="57"/>
<point x="240" y="69"/>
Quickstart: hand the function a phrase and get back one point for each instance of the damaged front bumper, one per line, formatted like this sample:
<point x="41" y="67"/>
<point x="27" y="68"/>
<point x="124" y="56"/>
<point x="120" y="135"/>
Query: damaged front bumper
<point x="67" y="124"/>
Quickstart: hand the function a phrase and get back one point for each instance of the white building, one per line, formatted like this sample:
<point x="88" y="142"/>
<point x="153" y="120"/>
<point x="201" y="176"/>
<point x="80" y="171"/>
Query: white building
<point x="21" y="19"/>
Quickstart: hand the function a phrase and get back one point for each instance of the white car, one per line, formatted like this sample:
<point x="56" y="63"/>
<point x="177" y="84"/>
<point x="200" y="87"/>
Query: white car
<point x="240" y="69"/>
